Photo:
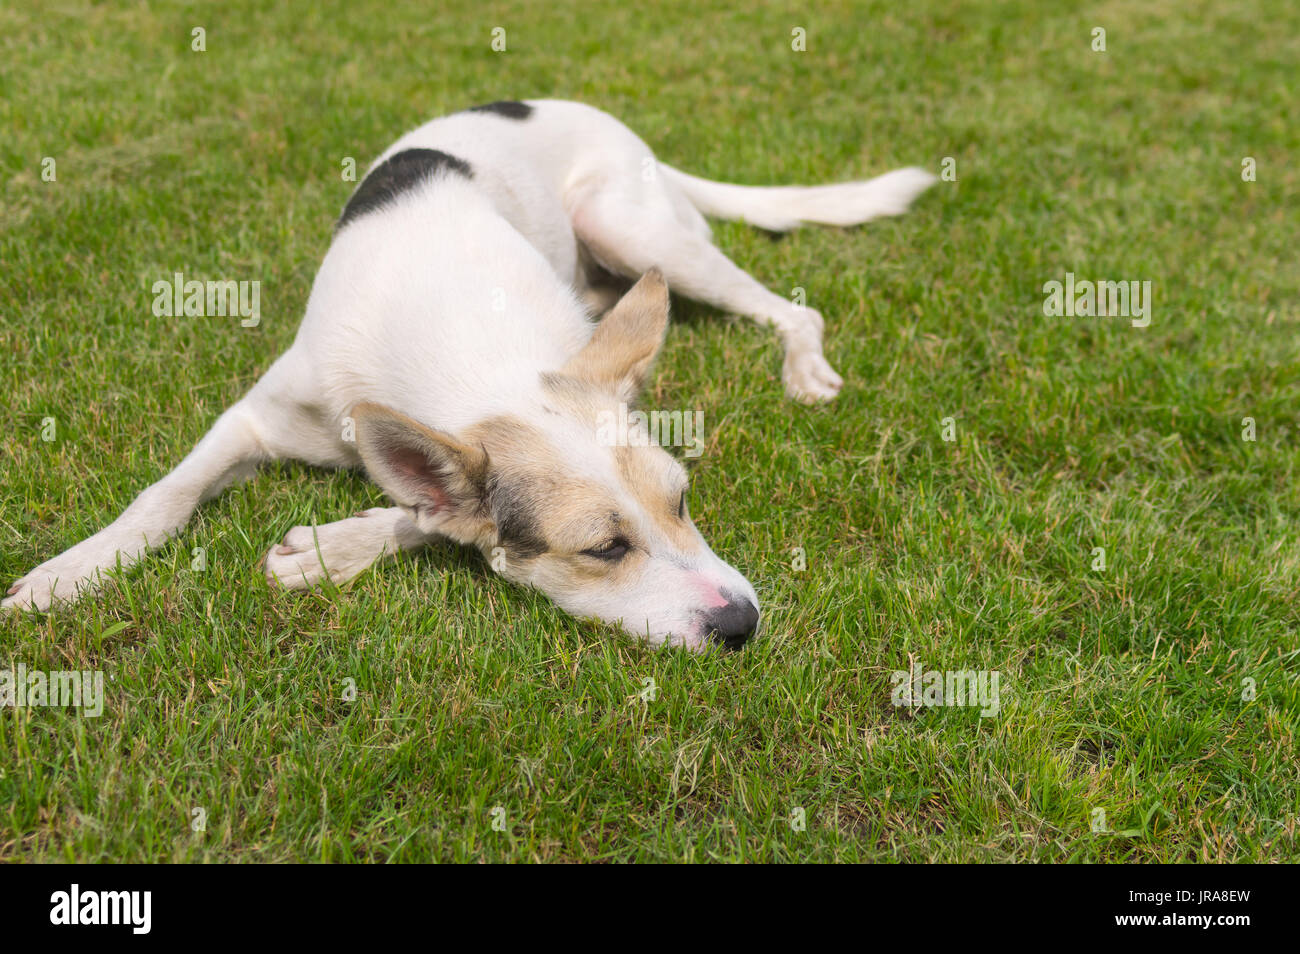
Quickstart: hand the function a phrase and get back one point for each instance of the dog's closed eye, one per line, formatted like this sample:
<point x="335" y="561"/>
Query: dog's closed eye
<point x="615" y="549"/>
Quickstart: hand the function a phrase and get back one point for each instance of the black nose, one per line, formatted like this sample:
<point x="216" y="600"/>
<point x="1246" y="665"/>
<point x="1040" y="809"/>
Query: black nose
<point x="732" y="624"/>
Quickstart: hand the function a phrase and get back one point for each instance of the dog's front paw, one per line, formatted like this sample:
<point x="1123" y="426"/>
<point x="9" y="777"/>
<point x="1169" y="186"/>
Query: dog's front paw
<point x="293" y="562"/>
<point x="307" y="555"/>
<point x="46" y="585"/>
<point x="809" y="378"/>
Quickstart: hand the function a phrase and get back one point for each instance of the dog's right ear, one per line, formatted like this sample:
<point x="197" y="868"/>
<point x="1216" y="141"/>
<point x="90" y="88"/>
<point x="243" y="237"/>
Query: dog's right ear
<point x="618" y="357"/>
<point x="440" y="481"/>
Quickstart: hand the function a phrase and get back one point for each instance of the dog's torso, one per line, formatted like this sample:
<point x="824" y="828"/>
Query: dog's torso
<point x="469" y="275"/>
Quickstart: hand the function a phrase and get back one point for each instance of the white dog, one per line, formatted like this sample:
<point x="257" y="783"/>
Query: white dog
<point x="449" y="346"/>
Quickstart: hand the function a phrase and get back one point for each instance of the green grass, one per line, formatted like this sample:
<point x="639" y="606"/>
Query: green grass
<point x="1121" y="689"/>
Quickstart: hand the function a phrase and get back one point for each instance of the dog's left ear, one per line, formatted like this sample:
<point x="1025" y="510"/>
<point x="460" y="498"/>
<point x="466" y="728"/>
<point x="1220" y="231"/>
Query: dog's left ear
<point x="622" y="349"/>
<point x="440" y="481"/>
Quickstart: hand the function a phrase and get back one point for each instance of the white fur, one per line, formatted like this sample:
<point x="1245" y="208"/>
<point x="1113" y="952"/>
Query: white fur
<point x="448" y="304"/>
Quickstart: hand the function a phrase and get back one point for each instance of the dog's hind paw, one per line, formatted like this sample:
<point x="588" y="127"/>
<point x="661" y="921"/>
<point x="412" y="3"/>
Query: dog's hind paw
<point x="809" y="378"/>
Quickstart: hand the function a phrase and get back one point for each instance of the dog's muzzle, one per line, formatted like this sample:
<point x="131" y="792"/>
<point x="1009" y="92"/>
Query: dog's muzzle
<point x="731" y="625"/>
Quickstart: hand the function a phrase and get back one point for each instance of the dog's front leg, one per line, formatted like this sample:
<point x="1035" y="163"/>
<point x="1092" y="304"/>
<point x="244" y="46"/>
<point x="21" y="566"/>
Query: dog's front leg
<point x="229" y="452"/>
<point x="343" y="549"/>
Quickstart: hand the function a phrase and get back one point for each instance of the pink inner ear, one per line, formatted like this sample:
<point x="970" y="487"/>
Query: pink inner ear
<point x="412" y="467"/>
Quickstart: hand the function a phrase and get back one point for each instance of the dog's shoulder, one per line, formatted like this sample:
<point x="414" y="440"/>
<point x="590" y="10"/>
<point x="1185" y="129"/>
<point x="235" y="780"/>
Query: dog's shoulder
<point x="398" y="174"/>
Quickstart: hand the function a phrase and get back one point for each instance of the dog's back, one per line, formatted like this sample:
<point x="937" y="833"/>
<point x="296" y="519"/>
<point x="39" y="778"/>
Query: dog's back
<point x="436" y="301"/>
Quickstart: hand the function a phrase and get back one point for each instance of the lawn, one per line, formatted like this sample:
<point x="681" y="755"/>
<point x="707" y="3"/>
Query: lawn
<point x="1149" y="695"/>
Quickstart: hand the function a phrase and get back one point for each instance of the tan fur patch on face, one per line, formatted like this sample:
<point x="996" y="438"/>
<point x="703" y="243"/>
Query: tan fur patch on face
<point x="657" y="481"/>
<point x="545" y="507"/>
<point x="650" y="474"/>
<point x="539" y="503"/>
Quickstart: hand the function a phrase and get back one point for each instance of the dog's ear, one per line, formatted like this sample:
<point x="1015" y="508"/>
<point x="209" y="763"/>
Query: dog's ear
<point x="619" y="355"/>
<point x="439" y="480"/>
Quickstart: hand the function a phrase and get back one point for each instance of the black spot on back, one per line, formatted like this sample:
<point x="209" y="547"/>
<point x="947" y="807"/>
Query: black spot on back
<point x="400" y="173"/>
<point x="508" y="108"/>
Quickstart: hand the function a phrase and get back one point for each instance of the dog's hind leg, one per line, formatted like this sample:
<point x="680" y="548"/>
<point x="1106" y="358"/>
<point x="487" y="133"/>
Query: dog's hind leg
<point x="343" y="549"/>
<point x="629" y="234"/>
<point x="259" y="427"/>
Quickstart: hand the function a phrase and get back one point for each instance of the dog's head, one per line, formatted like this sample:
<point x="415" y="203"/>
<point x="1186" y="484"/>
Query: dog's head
<point x="569" y="497"/>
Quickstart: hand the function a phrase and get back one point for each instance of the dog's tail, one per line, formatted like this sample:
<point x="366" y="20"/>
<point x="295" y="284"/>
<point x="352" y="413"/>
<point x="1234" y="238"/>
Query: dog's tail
<point x="781" y="208"/>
